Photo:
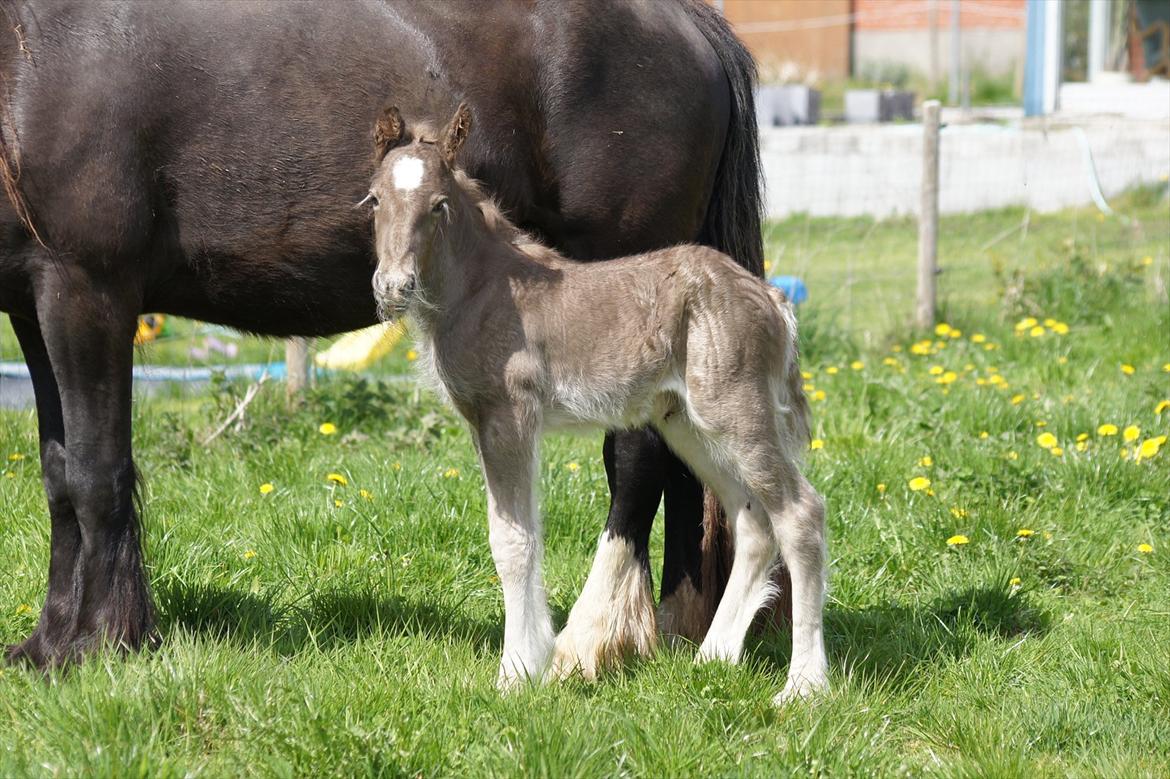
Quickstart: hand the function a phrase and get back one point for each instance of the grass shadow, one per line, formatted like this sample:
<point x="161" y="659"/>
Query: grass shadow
<point x="895" y="644"/>
<point x="319" y="619"/>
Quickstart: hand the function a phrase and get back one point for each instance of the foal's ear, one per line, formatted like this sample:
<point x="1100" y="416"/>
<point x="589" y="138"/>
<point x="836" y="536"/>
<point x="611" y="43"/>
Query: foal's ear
<point x="456" y="133"/>
<point x="387" y="131"/>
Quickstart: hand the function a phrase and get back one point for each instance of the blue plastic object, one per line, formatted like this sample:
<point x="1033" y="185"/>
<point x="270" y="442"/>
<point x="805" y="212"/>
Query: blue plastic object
<point x="792" y="287"/>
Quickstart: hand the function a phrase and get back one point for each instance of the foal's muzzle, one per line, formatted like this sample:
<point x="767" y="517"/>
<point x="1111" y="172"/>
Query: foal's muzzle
<point x="393" y="292"/>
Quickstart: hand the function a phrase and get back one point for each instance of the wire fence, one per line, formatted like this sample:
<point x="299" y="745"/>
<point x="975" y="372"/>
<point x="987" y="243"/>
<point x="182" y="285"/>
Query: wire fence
<point x="1014" y="195"/>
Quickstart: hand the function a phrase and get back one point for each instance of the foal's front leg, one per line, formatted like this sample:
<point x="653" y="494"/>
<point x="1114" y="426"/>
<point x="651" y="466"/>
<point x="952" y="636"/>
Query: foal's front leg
<point x="508" y="454"/>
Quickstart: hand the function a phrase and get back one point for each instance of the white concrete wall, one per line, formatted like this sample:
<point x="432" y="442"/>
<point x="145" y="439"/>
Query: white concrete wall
<point x="876" y="170"/>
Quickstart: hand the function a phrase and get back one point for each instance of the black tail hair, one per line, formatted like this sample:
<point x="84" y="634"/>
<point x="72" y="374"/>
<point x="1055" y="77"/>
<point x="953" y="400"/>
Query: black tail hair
<point x="735" y="213"/>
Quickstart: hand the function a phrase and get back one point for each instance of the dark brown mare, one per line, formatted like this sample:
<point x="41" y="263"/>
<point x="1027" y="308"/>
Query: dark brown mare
<point x="202" y="159"/>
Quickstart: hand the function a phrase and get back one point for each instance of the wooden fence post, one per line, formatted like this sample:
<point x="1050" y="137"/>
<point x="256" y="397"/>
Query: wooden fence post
<point x="296" y="363"/>
<point x="928" y="218"/>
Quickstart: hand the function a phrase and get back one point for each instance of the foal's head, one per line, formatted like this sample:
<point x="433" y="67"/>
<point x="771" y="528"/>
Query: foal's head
<point x="409" y="195"/>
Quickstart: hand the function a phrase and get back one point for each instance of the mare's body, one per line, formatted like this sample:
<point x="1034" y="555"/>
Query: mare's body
<point x="202" y="158"/>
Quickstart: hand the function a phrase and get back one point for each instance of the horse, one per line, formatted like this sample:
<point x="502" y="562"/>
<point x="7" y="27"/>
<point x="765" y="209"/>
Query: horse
<point x="199" y="159"/>
<point x="520" y="340"/>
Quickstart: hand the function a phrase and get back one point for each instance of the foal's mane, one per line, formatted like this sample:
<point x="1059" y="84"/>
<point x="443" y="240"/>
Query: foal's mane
<point x="497" y="222"/>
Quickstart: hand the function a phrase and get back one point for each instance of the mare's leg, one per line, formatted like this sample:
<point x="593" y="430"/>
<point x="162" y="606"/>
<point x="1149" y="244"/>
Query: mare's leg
<point x="508" y="454"/>
<point x="614" y="615"/>
<point x="684" y="608"/>
<point x="41" y="647"/>
<point x="98" y="593"/>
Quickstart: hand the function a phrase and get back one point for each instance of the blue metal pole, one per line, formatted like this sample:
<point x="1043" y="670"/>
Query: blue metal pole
<point x="1034" y="60"/>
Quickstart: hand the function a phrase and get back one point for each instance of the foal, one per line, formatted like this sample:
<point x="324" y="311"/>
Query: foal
<point x="520" y="340"/>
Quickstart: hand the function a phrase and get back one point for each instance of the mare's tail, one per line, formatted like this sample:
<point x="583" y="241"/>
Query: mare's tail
<point x="732" y="225"/>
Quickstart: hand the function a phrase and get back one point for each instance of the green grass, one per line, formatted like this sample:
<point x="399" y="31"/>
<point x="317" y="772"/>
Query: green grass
<point x="303" y="638"/>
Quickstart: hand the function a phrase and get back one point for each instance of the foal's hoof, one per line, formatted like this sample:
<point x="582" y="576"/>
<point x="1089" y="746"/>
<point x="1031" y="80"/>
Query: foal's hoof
<point x="801" y="688"/>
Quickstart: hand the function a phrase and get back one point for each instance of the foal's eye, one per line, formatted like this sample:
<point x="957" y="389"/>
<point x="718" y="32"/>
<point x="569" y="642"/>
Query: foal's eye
<point x="438" y="205"/>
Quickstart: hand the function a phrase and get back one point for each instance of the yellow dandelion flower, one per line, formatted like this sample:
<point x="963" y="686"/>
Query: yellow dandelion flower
<point x="266" y="488"/>
<point x="411" y="355"/>
<point x="1025" y="532"/>
<point x="1107" y="429"/>
<point x="919" y="483"/>
<point x="818" y="395"/>
<point x="984" y="435"/>
<point x="1013" y="455"/>
<point x="1082" y="446"/>
<point x="926" y="461"/>
<point x="1017" y="399"/>
<point x="958" y="512"/>
<point x="1124" y="453"/>
<point x="980" y="382"/>
<point x="1046" y="440"/>
<point x="942" y="328"/>
<point x="1082" y="437"/>
<point x="338" y="503"/>
<point x="1041" y="423"/>
<point x="1150" y="447"/>
<point x="890" y="361"/>
<point x="1162" y="406"/>
<point x="1049" y="322"/>
<point x="366" y="494"/>
<point x="947" y="378"/>
<point x="856" y="365"/>
<point x="808" y="387"/>
<point x="1062" y="360"/>
<point x="1026" y="323"/>
<point x="23" y="609"/>
<point x="990" y="347"/>
<point x="955" y="333"/>
<point x="9" y="475"/>
<point x="816" y="443"/>
<point x="249" y="554"/>
<point x="831" y="370"/>
<point x="1036" y="331"/>
<point x="1060" y="328"/>
<point x="1145" y="548"/>
<point x="881" y="488"/>
<point x="1056" y="451"/>
<point x="978" y="338"/>
<point x="1131" y="433"/>
<point x="1127" y="369"/>
<point x="1014" y="581"/>
<point x="1147" y="260"/>
<point x="15" y="457"/>
<point x="1166" y="367"/>
<point x="920" y="348"/>
<point x="958" y="540"/>
<point x="767" y="266"/>
<point x="573" y="467"/>
<point x="805" y="375"/>
<point x="327" y="428"/>
<point x="337" y="478"/>
<point x="935" y="370"/>
<point x="397" y="466"/>
<point x="451" y="473"/>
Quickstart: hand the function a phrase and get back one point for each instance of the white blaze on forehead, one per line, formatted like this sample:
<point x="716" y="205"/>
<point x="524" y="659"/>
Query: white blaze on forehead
<point x="407" y="173"/>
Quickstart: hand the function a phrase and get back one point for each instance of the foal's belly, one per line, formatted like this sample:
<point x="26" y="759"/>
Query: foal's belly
<point x="574" y="409"/>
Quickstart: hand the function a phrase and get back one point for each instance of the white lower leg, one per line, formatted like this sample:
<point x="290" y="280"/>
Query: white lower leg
<point x="802" y="541"/>
<point x="748" y="588"/>
<point x="613" y="617"/>
<point x="528" y="634"/>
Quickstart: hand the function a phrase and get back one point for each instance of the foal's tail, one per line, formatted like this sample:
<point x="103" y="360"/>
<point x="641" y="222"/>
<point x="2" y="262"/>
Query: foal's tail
<point x="732" y="225"/>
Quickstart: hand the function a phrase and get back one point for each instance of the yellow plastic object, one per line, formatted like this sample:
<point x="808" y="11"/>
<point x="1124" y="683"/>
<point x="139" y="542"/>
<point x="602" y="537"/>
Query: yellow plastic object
<point x="149" y="328"/>
<point x="361" y="348"/>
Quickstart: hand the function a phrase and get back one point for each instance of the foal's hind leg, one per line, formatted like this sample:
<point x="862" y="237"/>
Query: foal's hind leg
<point x="800" y="526"/>
<point x="747" y="588"/>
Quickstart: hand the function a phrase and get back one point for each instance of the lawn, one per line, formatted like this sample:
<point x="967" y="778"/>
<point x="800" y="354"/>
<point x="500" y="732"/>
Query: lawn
<point x="1000" y="581"/>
